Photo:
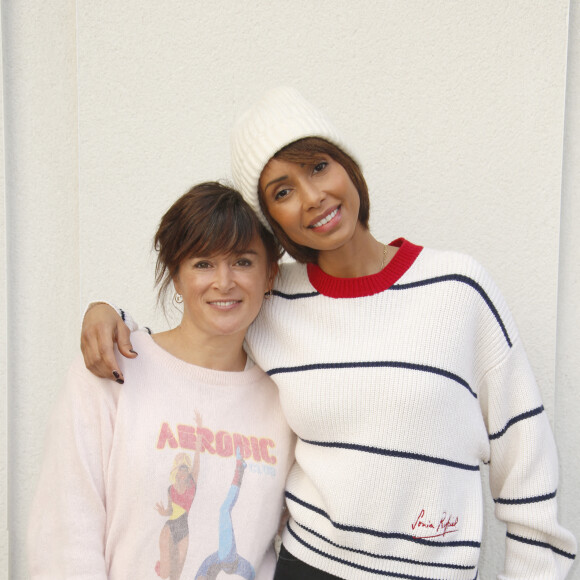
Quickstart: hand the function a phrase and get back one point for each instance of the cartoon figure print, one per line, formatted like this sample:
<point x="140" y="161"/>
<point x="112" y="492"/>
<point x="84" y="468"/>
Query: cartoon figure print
<point x="174" y="537"/>
<point x="227" y="559"/>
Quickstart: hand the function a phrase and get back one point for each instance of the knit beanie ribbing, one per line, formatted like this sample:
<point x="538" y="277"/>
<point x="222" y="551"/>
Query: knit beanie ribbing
<point x="279" y="118"/>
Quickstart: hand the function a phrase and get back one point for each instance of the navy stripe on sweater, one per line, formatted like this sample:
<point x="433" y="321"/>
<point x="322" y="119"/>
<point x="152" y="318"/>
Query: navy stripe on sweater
<point x="515" y="420"/>
<point x="464" y="280"/>
<point x="374" y="364"/>
<point x="428" y="281"/>
<point x="295" y="296"/>
<point x="540" y="545"/>
<point x="355" y="565"/>
<point x="358" y="566"/>
<point x="379" y="534"/>
<point x="394" y="453"/>
<point x="525" y="500"/>
<point x="380" y="556"/>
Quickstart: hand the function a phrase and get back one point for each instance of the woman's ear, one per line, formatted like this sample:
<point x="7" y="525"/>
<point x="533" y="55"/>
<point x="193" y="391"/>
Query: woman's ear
<point x="176" y="283"/>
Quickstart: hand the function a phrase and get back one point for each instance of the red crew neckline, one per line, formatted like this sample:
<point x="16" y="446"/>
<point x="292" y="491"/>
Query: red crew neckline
<point x="366" y="285"/>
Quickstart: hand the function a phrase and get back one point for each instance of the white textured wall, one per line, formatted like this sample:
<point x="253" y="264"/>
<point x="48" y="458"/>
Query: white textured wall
<point x="113" y="109"/>
<point x="3" y="356"/>
<point x="566" y="419"/>
<point x="42" y="271"/>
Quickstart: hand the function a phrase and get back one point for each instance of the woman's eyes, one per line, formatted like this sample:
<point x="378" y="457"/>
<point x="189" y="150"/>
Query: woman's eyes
<point x="281" y="194"/>
<point x="203" y="265"/>
<point x="244" y="262"/>
<point x="316" y="168"/>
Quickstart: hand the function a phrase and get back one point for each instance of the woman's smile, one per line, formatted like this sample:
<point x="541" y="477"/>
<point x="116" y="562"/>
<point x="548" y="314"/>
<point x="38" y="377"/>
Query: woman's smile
<point x="224" y="304"/>
<point x="331" y="219"/>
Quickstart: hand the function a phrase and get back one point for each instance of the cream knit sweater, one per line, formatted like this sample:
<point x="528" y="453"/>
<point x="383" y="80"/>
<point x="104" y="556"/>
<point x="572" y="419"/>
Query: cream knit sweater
<point x="400" y="386"/>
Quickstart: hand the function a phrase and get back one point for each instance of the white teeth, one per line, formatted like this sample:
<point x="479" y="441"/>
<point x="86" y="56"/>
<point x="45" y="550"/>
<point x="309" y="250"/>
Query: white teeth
<point x="326" y="219"/>
<point x="225" y="302"/>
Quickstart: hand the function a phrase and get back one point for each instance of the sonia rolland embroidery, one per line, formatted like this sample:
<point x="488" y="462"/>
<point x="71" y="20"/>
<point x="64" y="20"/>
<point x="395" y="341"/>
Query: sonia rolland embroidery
<point x="425" y="528"/>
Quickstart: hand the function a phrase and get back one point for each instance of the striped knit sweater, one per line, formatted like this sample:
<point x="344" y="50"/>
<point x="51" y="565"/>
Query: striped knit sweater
<point x="400" y="385"/>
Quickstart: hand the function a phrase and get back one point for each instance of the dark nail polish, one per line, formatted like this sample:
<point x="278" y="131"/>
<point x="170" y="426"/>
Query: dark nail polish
<point x="116" y="374"/>
<point x="120" y="381"/>
<point x="134" y="352"/>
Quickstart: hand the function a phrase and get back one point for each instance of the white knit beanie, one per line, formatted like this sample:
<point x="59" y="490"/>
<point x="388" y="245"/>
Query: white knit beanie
<point x="281" y="117"/>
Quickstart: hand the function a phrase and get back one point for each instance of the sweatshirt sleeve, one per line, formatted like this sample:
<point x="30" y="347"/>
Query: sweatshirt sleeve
<point x="66" y="534"/>
<point x="523" y="458"/>
<point x="126" y="317"/>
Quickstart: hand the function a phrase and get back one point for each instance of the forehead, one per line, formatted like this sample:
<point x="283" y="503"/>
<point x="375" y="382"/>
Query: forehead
<point x="276" y="165"/>
<point x="295" y="162"/>
<point x="278" y="168"/>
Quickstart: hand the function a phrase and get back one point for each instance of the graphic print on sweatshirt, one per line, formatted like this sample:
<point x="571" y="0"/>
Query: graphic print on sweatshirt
<point x="226" y="558"/>
<point x="219" y="452"/>
<point x="174" y="538"/>
<point x="221" y="443"/>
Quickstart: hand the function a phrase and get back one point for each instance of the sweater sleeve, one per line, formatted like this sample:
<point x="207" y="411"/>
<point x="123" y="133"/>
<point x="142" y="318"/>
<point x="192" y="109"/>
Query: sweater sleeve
<point x="127" y="318"/>
<point x="523" y="460"/>
<point x="66" y="535"/>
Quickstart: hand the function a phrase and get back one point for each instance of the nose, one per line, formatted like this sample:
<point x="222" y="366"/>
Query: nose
<point x="224" y="279"/>
<point x="312" y="195"/>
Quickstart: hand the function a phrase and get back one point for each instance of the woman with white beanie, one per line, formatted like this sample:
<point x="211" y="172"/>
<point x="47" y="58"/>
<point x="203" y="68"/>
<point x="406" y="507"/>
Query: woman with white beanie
<point x="399" y="368"/>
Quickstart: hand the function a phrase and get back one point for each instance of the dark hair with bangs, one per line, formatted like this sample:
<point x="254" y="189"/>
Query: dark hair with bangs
<point x="209" y="219"/>
<point x="306" y="151"/>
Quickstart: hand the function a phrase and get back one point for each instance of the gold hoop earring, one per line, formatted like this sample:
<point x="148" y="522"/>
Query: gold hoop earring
<point x="268" y="294"/>
<point x="177" y="298"/>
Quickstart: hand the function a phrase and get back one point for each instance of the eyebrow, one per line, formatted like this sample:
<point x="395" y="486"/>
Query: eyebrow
<point x="275" y="181"/>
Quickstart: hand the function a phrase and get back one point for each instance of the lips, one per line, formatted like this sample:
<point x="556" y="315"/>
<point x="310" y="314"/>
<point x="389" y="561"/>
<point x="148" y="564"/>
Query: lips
<point x="224" y="303"/>
<point x="324" y="219"/>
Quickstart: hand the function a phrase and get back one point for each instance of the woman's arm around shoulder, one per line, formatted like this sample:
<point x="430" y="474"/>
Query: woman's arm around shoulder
<point x="103" y="326"/>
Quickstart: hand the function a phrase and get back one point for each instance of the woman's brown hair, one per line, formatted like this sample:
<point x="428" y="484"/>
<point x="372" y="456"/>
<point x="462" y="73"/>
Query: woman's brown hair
<point x="209" y="219"/>
<point x="306" y="151"/>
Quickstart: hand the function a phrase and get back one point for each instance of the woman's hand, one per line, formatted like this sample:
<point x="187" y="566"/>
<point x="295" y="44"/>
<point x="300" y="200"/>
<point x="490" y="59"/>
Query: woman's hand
<point x="102" y="328"/>
<point x="161" y="509"/>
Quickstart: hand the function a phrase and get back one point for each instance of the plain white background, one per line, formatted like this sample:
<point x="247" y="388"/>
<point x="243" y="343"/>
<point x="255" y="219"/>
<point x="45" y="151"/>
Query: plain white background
<point x="464" y="114"/>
